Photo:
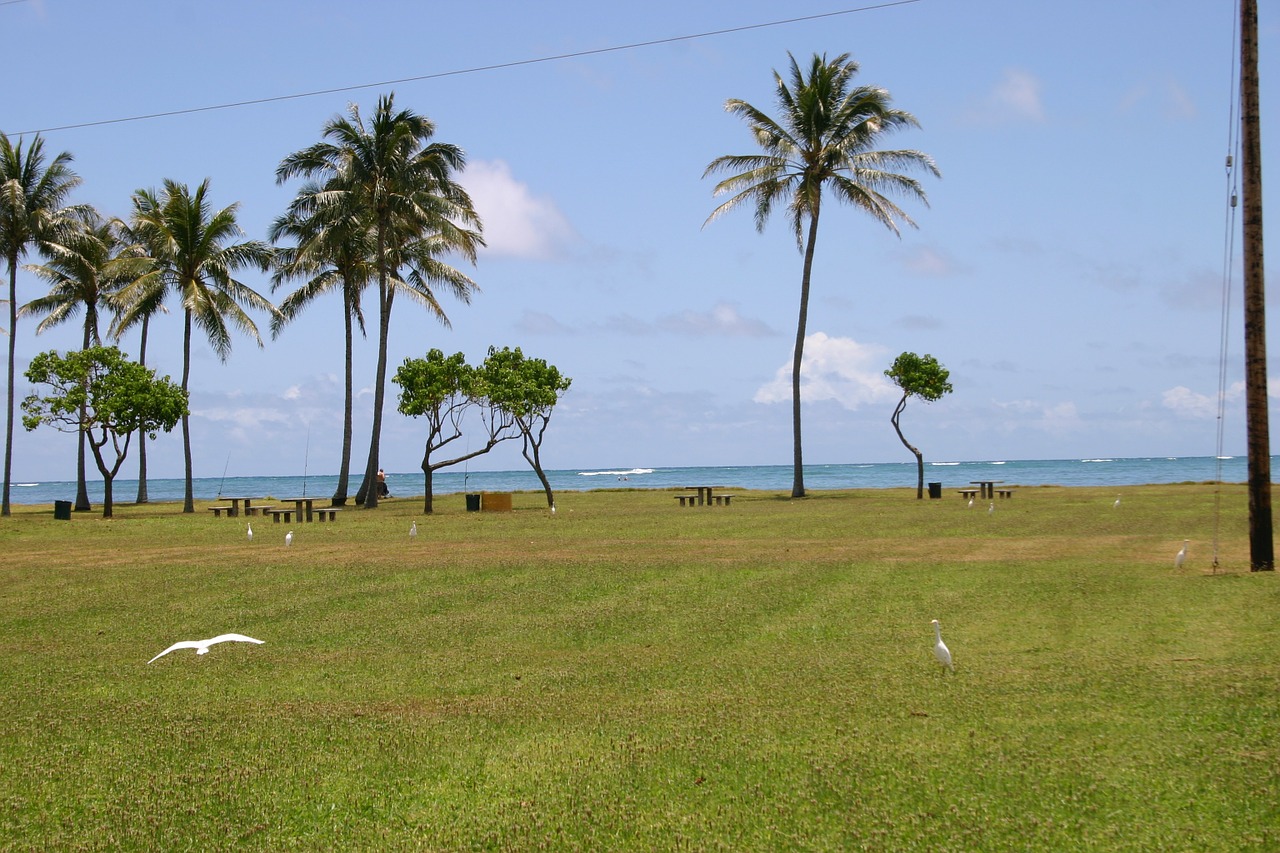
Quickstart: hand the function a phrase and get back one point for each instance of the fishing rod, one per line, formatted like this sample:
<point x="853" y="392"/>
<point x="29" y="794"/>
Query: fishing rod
<point x="224" y="473"/>
<point x="306" y="455"/>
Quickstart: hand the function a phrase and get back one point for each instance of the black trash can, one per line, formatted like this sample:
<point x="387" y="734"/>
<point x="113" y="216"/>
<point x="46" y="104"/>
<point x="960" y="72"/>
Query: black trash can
<point x="62" y="510"/>
<point x="473" y="502"/>
<point x="935" y="490"/>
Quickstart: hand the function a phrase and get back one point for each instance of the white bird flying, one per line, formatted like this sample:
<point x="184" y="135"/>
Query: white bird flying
<point x="940" y="650"/>
<point x="413" y="530"/>
<point x="288" y="539"/>
<point x="1181" y="556"/>
<point x="250" y="532"/>
<point x="202" y="646"/>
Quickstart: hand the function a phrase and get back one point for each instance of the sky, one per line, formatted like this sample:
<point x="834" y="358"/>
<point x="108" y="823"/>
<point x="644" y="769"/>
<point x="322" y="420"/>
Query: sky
<point x="1068" y="268"/>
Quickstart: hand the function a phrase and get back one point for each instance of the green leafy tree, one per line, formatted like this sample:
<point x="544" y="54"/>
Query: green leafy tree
<point x="331" y="252"/>
<point x="442" y="390"/>
<point x="922" y="377"/>
<point x="402" y="185"/>
<point x="527" y="389"/>
<point x="824" y="139"/>
<point x="98" y="392"/>
<point x="195" y="252"/>
<point x="88" y="263"/>
<point x="32" y="197"/>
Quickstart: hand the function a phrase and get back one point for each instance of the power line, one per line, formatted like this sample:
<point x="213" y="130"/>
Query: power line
<point x="461" y="71"/>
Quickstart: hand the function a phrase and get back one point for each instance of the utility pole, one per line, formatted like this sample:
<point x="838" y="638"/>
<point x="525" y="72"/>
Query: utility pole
<point x="1261" y="545"/>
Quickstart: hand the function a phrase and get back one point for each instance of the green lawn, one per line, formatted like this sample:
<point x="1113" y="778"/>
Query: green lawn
<point x="627" y="674"/>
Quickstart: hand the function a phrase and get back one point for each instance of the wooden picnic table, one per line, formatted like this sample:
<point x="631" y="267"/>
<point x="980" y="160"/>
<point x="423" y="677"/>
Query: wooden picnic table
<point x="986" y="488"/>
<point x="235" y="503"/>
<point x="705" y="495"/>
<point x="307" y="501"/>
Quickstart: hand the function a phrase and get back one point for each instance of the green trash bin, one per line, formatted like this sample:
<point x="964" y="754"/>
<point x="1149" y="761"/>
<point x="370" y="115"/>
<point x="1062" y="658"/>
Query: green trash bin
<point x="62" y="510"/>
<point x="473" y="502"/>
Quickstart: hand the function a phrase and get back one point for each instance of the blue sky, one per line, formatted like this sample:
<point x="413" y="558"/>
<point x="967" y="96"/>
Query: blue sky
<point x="1068" y="269"/>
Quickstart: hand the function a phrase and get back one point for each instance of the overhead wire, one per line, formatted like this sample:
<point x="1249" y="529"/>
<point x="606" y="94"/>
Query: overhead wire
<point x="471" y="70"/>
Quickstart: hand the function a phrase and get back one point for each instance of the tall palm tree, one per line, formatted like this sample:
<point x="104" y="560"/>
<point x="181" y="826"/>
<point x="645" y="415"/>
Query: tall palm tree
<point x="824" y="138"/>
<point x="32" y="195"/>
<point x="332" y="252"/>
<point x="87" y="265"/>
<point x="195" y="256"/>
<point x="403" y="185"/>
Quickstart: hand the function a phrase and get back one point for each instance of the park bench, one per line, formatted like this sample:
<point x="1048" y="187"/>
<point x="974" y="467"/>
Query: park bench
<point x="219" y="510"/>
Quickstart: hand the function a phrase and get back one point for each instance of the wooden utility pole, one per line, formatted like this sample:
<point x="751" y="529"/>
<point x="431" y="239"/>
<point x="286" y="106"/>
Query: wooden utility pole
<point x="1261" y="545"/>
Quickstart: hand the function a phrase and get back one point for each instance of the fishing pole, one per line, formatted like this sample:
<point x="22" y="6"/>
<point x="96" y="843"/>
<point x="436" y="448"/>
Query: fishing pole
<point x="224" y="473"/>
<point x="306" y="455"/>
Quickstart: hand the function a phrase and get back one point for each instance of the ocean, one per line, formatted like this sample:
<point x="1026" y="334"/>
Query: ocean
<point x="878" y="475"/>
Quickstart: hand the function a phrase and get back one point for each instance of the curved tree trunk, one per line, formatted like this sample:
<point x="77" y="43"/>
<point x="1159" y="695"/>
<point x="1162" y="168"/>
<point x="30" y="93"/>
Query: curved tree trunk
<point x="897" y="414"/>
<point x="188" y="501"/>
<point x="797" y="482"/>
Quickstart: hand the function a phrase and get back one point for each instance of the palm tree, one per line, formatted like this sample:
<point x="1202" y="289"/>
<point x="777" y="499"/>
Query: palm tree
<point x="87" y="265"/>
<point x="402" y="184"/>
<point x="824" y="138"/>
<point x="332" y="252"/>
<point x="194" y="253"/>
<point x="31" y="211"/>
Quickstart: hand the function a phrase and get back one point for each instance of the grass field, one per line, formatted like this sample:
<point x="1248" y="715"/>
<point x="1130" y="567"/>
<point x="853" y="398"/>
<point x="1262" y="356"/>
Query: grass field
<point x="627" y="674"/>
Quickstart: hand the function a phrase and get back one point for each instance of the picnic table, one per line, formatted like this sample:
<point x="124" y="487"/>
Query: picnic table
<point x="302" y="506"/>
<point x="703" y="496"/>
<point x="986" y="488"/>
<point x="235" y="503"/>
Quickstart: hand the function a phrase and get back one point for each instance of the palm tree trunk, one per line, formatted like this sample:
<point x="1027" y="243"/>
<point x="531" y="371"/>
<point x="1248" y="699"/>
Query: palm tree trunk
<point x="13" y="353"/>
<point x="797" y="482"/>
<point x="368" y="494"/>
<point x="142" y="434"/>
<point x="82" y="487"/>
<point x="188" y="501"/>
<point x="340" y="494"/>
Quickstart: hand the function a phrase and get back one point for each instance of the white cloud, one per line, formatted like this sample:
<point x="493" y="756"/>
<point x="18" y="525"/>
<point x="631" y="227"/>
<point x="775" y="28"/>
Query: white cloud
<point x="722" y="319"/>
<point x="839" y="369"/>
<point x="1015" y="97"/>
<point x="516" y="222"/>
<point x="1186" y="403"/>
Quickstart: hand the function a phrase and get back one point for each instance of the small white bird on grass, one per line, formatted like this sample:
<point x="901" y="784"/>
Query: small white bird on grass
<point x="1181" y="556"/>
<point x="202" y="646"/>
<point x="413" y="530"/>
<point x="970" y="503"/>
<point x="1116" y="505"/>
<point x="940" y="650"/>
<point x="991" y="507"/>
<point x="288" y="539"/>
<point x="250" y="533"/>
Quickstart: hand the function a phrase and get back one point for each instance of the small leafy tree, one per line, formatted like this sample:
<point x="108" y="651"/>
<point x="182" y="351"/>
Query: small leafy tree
<point x="917" y="376"/>
<point x="527" y="389"/>
<point x="99" y="392"/>
<point x="442" y="390"/>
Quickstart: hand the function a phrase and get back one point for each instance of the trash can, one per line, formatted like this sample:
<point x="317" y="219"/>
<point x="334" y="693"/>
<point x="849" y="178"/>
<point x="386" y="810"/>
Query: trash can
<point x="935" y="490"/>
<point x="62" y="510"/>
<point x="473" y="502"/>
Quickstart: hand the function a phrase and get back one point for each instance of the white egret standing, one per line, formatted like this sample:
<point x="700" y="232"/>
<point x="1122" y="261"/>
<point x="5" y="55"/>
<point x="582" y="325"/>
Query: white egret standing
<point x="288" y="539"/>
<point x="250" y="532"/>
<point x="991" y="507"/>
<point x="202" y="646"/>
<point x="971" y="503"/>
<point x="413" y="530"/>
<point x="1181" y="556"/>
<point x="1117" y="503"/>
<point x="940" y="650"/>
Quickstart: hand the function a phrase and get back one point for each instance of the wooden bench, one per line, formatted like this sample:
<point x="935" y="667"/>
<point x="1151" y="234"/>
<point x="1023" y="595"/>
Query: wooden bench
<point x="968" y="493"/>
<point x="258" y="510"/>
<point x="1005" y="493"/>
<point x="722" y="499"/>
<point x="327" y="513"/>
<point x="687" y="500"/>
<point x="275" y="514"/>
<point x="219" y="510"/>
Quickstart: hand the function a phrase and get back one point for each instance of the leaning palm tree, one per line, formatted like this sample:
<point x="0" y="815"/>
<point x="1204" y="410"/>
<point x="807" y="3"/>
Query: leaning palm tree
<point x="824" y="138"/>
<point x="32" y="195"/>
<point x="87" y="264"/>
<point x="403" y="186"/>
<point x="332" y="252"/>
<point x="195" y="256"/>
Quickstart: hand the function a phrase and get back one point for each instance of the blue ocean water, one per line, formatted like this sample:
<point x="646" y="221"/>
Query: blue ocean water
<point x="878" y="475"/>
